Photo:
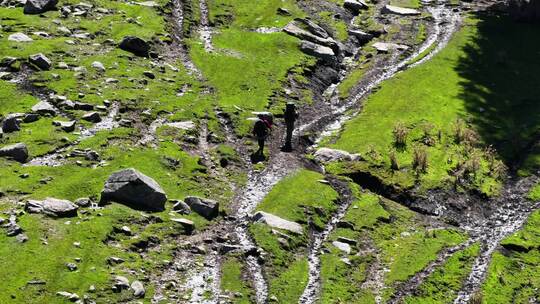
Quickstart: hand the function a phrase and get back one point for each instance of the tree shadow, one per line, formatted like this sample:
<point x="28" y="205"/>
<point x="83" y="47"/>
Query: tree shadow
<point x="501" y="66"/>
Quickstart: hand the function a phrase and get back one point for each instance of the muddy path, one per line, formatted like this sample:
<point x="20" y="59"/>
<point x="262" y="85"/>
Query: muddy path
<point x="179" y="50"/>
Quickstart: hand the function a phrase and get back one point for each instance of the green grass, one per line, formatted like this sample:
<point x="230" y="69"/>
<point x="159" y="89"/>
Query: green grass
<point x="299" y="195"/>
<point x="534" y="193"/>
<point x="406" y="3"/>
<point x="233" y="281"/>
<point x="513" y="276"/>
<point x="443" y="285"/>
<point x="9" y="94"/>
<point x="473" y="94"/>
<point x="338" y="26"/>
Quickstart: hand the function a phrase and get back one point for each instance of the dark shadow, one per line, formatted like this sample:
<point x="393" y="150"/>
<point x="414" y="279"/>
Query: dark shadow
<point x="502" y="90"/>
<point x="257" y="158"/>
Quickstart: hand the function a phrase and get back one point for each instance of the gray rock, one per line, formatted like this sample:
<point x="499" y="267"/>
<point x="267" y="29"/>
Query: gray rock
<point x="294" y="30"/>
<point x="73" y="297"/>
<point x="12" y="123"/>
<point x="275" y="221"/>
<point x="342" y="246"/>
<point x="138" y="289"/>
<point x="384" y="47"/>
<point x="98" y="66"/>
<point x="318" y="51"/>
<point x="402" y="11"/>
<point x="18" y="152"/>
<point x="362" y="37"/>
<point x="41" y="61"/>
<point x="355" y="6"/>
<point x="181" y="207"/>
<point x="71" y="266"/>
<point x="19" y="37"/>
<point x="67" y="126"/>
<point x="30" y="117"/>
<point x="52" y="207"/>
<point x="83" y="202"/>
<point x="313" y="28"/>
<point x="21" y="238"/>
<point x="83" y="106"/>
<point x="325" y="155"/>
<point x="121" y="282"/>
<point x="188" y="225"/>
<point x="44" y="108"/>
<point x="115" y="260"/>
<point x="92" y="117"/>
<point x="39" y="6"/>
<point x="347" y="240"/>
<point x="135" y="45"/>
<point x="133" y="188"/>
<point x="208" y="209"/>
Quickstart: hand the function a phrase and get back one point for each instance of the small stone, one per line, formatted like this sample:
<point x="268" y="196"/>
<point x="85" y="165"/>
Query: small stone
<point x="92" y="117"/>
<point x="41" y="61"/>
<point x="138" y="289"/>
<point x="21" y="238"/>
<point x="19" y="37"/>
<point x="98" y="66"/>
<point x="71" y="266"/>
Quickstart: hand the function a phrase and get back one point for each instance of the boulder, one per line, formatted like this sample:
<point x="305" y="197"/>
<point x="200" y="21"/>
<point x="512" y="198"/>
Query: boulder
<point x="275" y="221"/>
<point x="18" y="152"/>
<point x="52" y="207"/>
<point x="188" y="225"/>
<point x="43" y="108"/>
<point x="120" y="282"/>
<point x="92" y="117"/>
<point x="138" y="289"/>
<point x="342" y="246"/>
<point x="39" y="6"/>
<point x="207" y="208"/>
<point x="362" y="37"/>
<point x="319" y="51"/>
<point x="133" y="188"/>
<point x="326" y="155"/>
<point x="19" y="37"/>
<point x="355" y="6"/>
<point x="66" y="126"/>
<point x="313" y="28"/>
<point x="30" y="117"/>
<point x="98" y="66"/>
<point x="181" y="207"/>
<point x="12" y="123"/>
<point x="402" y="11"/>
<point x="135" y="45"/>
<point x="41" y="61"/>
<point x="294" y="30"/>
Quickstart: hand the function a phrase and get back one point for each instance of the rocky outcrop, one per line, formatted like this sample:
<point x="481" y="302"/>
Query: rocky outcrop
<point x="362" y="36"/>
<point x="275" y="221"/>
<point x="52" y="207"/>
<point x="402" y="11"/>
<point x="135" y="45"/>
<point x="18" y="152"/>
<point x="295" y="30"/>
<point x="319" y="51"/>
<point x="207" y="208"/>
<point x="135" y="189"/>
<point x="326" y="155"/>
<point x="39" y="6"/>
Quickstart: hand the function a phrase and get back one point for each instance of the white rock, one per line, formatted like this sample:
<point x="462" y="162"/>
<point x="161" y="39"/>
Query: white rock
<point x="342" y="246"/>
<point x="275" y="221"/>
<point x="19" y="37"/>
<point x="390" y="9"/>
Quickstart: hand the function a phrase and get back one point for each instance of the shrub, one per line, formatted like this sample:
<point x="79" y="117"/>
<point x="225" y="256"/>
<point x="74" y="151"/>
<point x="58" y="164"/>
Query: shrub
<point x="427" y="137"/>
<point x="459" y="130"/>
<point x="420" y="159"/>
<point x="393" y="160"/>
<point x="400" y="133"/>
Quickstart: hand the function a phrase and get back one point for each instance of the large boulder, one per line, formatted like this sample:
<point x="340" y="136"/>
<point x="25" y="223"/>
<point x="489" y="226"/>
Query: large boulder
<point x="135" y="189"/>
<point x="362" y="36"/>
<point x="402" y="11"/>
<point x="135" y="45"/>
<point x="18" y="152"/>
<point x="12" y="123"/>
<point x="326" y="155"/>
<point x="39" y="6"/>
<point x="319" y="51"/>
<point x="207" y="208"/>
<point x="297" y="31"/>
<point x="41" y="61"/>
<point x="52" y="207"/>
<point x="275" y="221"/>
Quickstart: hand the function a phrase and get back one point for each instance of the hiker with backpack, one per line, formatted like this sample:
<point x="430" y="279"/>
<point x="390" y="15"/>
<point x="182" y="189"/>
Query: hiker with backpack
<point x="261" y="130"/>
<point x="290" y="116"/>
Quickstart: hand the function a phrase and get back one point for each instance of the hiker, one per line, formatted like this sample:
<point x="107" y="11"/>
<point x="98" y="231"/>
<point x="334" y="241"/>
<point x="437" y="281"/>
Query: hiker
<point x="290" y="116"/>
<point x="261" y="130"/>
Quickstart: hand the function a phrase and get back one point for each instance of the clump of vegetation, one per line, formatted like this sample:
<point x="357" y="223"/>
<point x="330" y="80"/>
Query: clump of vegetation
<point x="400" y="133"/>
<point x="427" y="136"/>
<point x="420" y="159"/>
<point x="393" y="160"/>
